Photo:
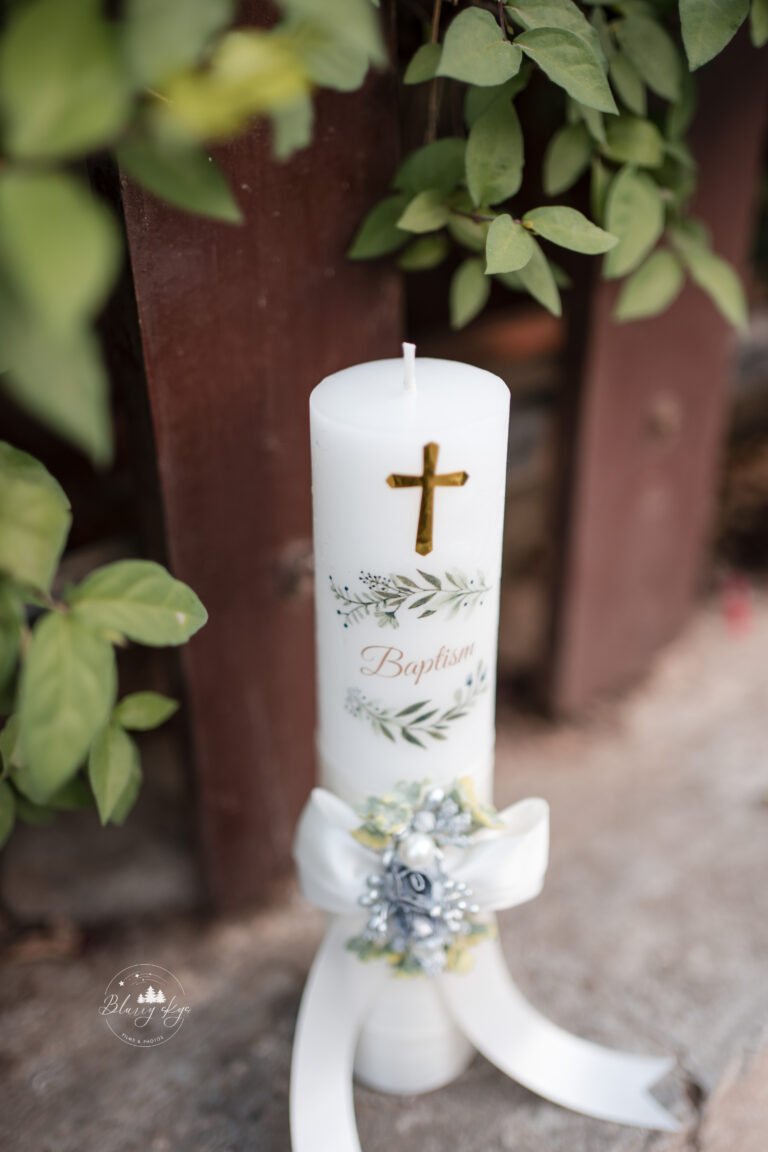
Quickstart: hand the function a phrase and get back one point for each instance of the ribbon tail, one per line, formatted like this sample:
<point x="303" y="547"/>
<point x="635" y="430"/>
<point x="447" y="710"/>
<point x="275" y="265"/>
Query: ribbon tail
<point x="335" y="1003"/>
<point x="575" y="1073"/>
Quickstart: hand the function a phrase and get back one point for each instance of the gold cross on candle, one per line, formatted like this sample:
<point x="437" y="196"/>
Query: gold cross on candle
<point x="428" y="481"/>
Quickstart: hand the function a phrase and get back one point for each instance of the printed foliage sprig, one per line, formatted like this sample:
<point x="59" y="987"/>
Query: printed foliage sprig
<point x="382" y="597"/>
<point x="418" y="721"/>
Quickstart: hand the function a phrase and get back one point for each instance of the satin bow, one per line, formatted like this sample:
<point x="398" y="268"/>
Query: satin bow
<point x="503" y="867"/>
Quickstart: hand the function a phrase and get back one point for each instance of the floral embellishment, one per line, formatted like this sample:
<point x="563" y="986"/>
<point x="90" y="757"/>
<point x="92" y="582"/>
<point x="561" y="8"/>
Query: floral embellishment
<point x="381" y="598"/>
<point x="422" y="720"/>
<point x="419" y="919"/>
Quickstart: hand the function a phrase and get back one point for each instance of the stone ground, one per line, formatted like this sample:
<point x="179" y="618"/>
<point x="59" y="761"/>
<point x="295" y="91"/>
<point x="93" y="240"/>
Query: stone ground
<point x="652" y="933"/>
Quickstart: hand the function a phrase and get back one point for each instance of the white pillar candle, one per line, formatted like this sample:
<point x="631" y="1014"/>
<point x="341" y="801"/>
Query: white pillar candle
<point x="408" y="469"/>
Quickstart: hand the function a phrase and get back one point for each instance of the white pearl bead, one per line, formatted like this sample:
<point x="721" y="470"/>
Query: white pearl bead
<point x="417" y="850"/>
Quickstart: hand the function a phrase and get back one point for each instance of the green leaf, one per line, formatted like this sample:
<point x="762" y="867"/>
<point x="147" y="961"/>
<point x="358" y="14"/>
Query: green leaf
<point x="63" y="85"/>
<point x="567" y="157"/>
<point x="477" y="101"/>
<point x="423" y="65"/>
<point x="708" y="25"/>
<point x="594" y="121"/>
<point x="715" y="276"/>
<point x="141" y="711"/>
<point x="470" y="289"/>
<point x="111" y="762"/>
<point x="598" y="188"/>
<point x="59" y="246"/>
<point x="76" y="794"/>
<point x="161" y="38"/>
<point x="11" y="619"/>
<point x="630" y="140"/>
<point x="570" y="63"/>
<point x="476" y="51"/>
<point x="680" y="114"/>
<point x="469" y="233"/>
<point x="424" y="253"/>
<point x="59" y="378"/>
<point x="327" y="60"/>
<point x="508" y="247"/>
<point x="352" y="23"/>
<point x="292" y="126"/>
<point x="628" y="83"/>
<point x="650" y="289"/>
<point x="538" y="279"/>
<point x="34" y="814"/>
<point x="439" y="165"/>
<point x="495" y="155"/>
<point x="34" y="519"/>
<point x="66" y="694"/>
<point x="569" y="229"/>
<point x="180" y="172"/>
<point x="141" y="600"/>
<point x="425" y="213"/>
<point x="7" y="812"/>
<point x="9" y="745"/>
<point x="378" y="235"/>
<point x="634" y="211"/>
<point x="128" y="796"/>
<point x="653" y="52"/>
<point x="758" y="23"/>
<point x="556" y="14"/>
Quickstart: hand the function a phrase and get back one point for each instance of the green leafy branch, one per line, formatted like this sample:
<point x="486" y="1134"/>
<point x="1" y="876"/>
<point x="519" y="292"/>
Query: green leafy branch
<point x="629" y="101"/>
<point x="383" y="597"/>
<point x="66" y="741"/>
<point x="421" y="720"/>
<point x="155" y="87"/>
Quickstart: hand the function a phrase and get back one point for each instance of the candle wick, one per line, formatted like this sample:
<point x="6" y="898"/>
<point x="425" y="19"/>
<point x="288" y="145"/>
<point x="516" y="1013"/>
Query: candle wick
<point x="409" y="358"/>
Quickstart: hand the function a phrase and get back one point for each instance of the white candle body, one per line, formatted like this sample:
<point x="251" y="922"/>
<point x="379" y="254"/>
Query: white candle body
<point x="397" y="627"/>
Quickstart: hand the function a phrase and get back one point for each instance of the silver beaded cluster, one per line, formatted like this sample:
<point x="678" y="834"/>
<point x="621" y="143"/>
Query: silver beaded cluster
<point x="416" y="913"/>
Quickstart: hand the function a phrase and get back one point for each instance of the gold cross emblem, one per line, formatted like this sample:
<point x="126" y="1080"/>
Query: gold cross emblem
<point x="428" y="481"/>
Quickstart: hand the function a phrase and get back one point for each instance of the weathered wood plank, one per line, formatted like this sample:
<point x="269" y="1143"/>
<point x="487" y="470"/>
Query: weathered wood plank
<point x="643" y="425"/>
<point x="238" y="324"/>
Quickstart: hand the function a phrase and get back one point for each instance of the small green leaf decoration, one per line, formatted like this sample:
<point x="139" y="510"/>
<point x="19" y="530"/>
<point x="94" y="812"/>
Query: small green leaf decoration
<point x="423" y="65"/>
<point x="628" y="84"/>
<point x="378" y="235"/>
<point x="630" y="140"/>
<point x="715" y="276"/>
<point x="142" y="711"/>
<point x="78" y="407"/>
<point x="292" y="127"/>
<point x="570" y="63"/>
<point x="128" y="796"/>
<point x="425" y="213"/>
<point x="600" y="179"/>
<point x="538" y="279"/>
<point x="470" y="289"/>
<point x="508" y="247"/>
<point x="63" y="84"/>
<point x="59" y="246"/>
<point x="653" y="52"/>
<point x="476" y="51"/>
<point x="66" y="695"/>
<point x="634" y="212"/>
<point x="424" y="253"/>
<point x="327" y="61"/>
<point x="708" y="25"/>
<point x="34" y="519"/>
<point x="569" y="229"/>
<point x="594" y="121"/>
<point x="140" y="600"/>
<point x="180" y="172"/>
<point x="758" y="23"/>
<point x="470" y="234"/>
<point x="567" y="157"/>
<point x="11" y="618"/>
<point x="439" y="165"/>
<point x="495" y="155"/>
<point x="651" y="288"/>
<point x="9" y="745"/>
<point x="162" y="38"/>
<point x="555" y="14"/>
<point x="680" y="115"/>
<point x="111" y="762"/>
<point x="7" y="812"/>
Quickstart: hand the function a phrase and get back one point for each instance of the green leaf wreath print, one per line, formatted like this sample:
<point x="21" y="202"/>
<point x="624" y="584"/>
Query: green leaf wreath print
<point x="381" y="598"/>
<point x="422" y="721"/>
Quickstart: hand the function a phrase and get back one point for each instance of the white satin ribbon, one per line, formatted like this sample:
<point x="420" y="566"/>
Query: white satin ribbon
<point x="503" y="868"/>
